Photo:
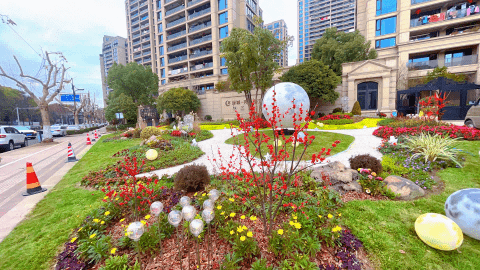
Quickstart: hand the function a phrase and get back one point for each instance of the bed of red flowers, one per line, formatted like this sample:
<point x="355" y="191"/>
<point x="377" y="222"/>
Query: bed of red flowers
<point x="452" y="131"/>
<point x="334" y="117"/>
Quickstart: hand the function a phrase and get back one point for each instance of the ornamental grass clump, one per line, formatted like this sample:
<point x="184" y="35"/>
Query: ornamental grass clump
<point x="433" y="147"/>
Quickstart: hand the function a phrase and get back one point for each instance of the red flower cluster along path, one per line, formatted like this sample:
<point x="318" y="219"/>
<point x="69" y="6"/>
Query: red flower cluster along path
<point x="335" y="117"/>
<point x="452" y="131"/>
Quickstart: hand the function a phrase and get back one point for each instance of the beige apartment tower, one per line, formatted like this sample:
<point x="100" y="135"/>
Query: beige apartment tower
<point x="412" y="37"/>
<point x="280" y="31"/>
<point x="114" y="49"/>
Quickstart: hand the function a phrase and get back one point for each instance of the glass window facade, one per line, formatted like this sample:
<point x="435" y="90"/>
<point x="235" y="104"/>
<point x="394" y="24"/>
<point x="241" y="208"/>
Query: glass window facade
<point x="161" y="50"/>
<point x="224" y="71"/>
<point x="386" y="6"/>
<point x="224" y="32"/>
<point x="162" y="73"/>
<point x="160" y="39"/>
<point x="385" y="43"/>
<point x="222" y="4"/>
<point x="162" y="62"/>
<point x="386" y="26"/>
<point x="160" y="27"/>
<point x="223" y="61"/>
<point x="223" y="18"/>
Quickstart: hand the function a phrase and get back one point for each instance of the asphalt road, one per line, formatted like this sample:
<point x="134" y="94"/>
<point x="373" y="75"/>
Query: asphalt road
<point x="46" y="159"/>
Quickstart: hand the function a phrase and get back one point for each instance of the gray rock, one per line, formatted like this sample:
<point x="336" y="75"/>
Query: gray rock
<point x="338" y="175"/>
<point x="404" y="188"/>
<point x="336" y="166"/>
<point x="353" y="186"/>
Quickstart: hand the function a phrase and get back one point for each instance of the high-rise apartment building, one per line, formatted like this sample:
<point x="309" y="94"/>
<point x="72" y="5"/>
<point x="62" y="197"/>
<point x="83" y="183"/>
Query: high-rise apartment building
<point x="180" y="39"/>
<point x="315" y="16"/>
<point x="280" y="31"/>
<point x="114" y="49"/>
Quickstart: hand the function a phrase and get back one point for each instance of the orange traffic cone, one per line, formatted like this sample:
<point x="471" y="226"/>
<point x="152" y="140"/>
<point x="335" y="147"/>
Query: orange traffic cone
<point x="88" y="139"/>
<point x="33" y="186"/>
<point x="71" y="155"/>
<point x="96" y="135"/>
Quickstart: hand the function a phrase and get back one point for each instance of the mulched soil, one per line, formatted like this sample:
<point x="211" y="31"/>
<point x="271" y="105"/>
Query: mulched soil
<point x="360" y="196"/>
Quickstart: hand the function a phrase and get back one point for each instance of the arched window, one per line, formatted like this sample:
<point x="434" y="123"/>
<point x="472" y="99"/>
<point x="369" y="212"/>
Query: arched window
<point x="367" y="94"/>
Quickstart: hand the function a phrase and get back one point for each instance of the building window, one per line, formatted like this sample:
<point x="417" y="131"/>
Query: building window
<point x="224" y="32"/>
<point x="385" y="43"/>
<point x="160" y="39"/>
<point x="223" y="18"/>
<point x="386" y="26"/>
<point x="161" y="50"/>
<point x="162" y="73"/>
<point x="160" y="27"/>
<point x="222" y="4"/>
<point x="367" y="93"/>
<point x="386" y="6"/>
<point x="276" y="25"/>
<point x="224" y="71"/>
<point x="250" y="26"/>
<point x="159" y="16"/>
<point x="223" y="61"/>
<point x="162" y="62"/>
<point x="163" y="82"/>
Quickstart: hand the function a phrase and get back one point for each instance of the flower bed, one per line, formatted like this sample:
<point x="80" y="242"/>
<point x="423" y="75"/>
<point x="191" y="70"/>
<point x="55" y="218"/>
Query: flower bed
<point x="367" y="122"/>
<point x="334" y="117"/>
<point x="452" y="131"/>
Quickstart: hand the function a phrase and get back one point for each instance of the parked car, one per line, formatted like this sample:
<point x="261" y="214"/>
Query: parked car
<point x="10" y="136"/>
<point x="30" y="133"/>
<point x="472" y="119"/>
<point x="73" y="127"/>
<point x="59" y="130"/>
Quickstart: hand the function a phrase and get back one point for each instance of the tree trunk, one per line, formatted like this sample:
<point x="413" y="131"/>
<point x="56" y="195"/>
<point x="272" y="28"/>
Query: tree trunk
<point x="139" y="117"/>
<point x="77" y="122"/>
<point x="47" y="133"/>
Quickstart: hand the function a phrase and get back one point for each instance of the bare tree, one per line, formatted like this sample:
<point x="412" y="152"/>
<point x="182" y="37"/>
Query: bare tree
<point x="75" y="109"/>
<point x="51" y="87"/>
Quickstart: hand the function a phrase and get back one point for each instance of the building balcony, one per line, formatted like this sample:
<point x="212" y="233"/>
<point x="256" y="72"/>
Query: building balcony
<point x="139" y="61"/>
<point x="414" y="2"/>
<point x="133" y="2"/>
<point x="178" y="34"/>
<point x="200" y="40"/>
<point x="136" y="29"/>
<point x="191" y="3"/>
<point x="429" y="64"/>
<point x="461" y="61"/>
<point x="147" y="53"/>
<point x="168" y="1"/>
<point x="177" y="71"/>
<point x="442" y="16"/>
<point x="177" y="59"/>
<point x="146" y="46"/>
<point x="137" y="55"/>
<point x="199" y="27"/>
<point x="136" y="35"/>
<point x="199" y="13"/>
<point x="137" y="49"/>
<point x="200" y="53"/>
<point x="135" y="43"/>
<point x="202" y="66"/>
<point x="143" y="3"/>
<point x="177" y="47"/>
<point x="133" y="9"/>
<point x="174" y="10"/>
<point x="176" y="22"/>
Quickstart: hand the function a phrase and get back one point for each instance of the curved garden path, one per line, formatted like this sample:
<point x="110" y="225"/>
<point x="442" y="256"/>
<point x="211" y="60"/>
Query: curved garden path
<point x="364" y="143"/>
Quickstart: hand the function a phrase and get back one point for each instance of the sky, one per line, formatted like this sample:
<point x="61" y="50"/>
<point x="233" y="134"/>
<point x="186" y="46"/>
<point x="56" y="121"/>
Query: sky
<point x="76" y="28"/>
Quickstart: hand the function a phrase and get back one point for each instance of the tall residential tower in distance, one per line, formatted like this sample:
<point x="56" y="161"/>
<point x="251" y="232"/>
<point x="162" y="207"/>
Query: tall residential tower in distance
<point x="280" y="31"/>
<point x="315" y="16"/>
<point x="114" y="50"/>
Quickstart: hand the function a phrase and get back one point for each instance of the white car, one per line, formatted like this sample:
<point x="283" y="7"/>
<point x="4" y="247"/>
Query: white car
<point x="10" y="136"/>
<point x="31" y="134"/>
<point x="59" y="130"/>
<point x="73" y="127"/>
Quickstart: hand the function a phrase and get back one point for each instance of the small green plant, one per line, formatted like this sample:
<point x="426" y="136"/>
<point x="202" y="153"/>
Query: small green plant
<point x="433" y="147"/>
<point x="337" y="110"/>
<point x="261" y="264"/>
<point x="192" y="178"/>
<point x="149" y="132"/>
<point x="356" y="110"/>
<point x="94" y="248"/>
<point x="230" y="262"/>
<point x="208" y="117"/>
<point x="116" y="263"/>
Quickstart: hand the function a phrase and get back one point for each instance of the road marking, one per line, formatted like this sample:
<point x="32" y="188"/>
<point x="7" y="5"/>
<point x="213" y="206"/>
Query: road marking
<point x="31" y="155"/>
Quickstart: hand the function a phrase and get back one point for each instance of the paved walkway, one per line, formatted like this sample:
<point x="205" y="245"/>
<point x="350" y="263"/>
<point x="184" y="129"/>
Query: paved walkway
<point x="364" y="143"/>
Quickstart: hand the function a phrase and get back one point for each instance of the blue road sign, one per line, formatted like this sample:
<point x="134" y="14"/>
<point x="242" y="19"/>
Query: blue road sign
<point x="69" y="98"/>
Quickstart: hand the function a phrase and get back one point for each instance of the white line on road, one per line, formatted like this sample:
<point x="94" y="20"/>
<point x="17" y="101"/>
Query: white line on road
<point x="30" y="155"/>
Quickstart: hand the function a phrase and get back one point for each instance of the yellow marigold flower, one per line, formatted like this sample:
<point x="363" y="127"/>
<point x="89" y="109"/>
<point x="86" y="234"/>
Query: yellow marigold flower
<point x="242" y="238"/>
<point x="231" y="199"/>
<point x="298" y="225"/>
<point x="280" y="231"/>
<point x="249" y="234"/>
<point x="294" y="217"/>
<point x="291" y="223"/>
<point x="195" y="194"/>
<point x="222" y="213"/>
<point x="319" y="216"/>
<point x="147" y="217"/>
<point x="103" y="222"/>
<point x="219" y="207"/>
<point x="232" y="232"/>
<point x="330" y="216"/>
<point x="143" y="222"/>
<point x="359" y="169"/>
<point x="93" y="235"/>
<point x="107" y="213"/>
<point x="232" y="214"/>
<point x="204" y="194"/>
<point x="96" y="220"/>
<point x="105" y="197"/>
<point x="339" y="214"/>
<point x="73" y="239"/>
<point x="242" y="217"/>
<point x="113" y="250"/>
<point x="80" y="229"/>
<point x="116" y="199"/>
<point x="121" y="220"/>
<point x="239" y="229"/>
<point x="244" y="228"/>
<point x="253" y="218"/>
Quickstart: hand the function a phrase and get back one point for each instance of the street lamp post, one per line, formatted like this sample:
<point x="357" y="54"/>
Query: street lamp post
<point x="75" y="103"/>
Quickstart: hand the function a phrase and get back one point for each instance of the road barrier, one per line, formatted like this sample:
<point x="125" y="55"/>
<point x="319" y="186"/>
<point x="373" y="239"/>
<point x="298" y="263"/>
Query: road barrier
<point x="71" y="155"/>
<point x="33" y="186"/>
<point x="89" y="142"/>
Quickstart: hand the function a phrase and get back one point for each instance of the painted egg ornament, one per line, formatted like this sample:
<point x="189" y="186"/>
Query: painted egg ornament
<point x="463" y="207"/>
<point x="438" y="231"/>
<point x="151" y="154"/>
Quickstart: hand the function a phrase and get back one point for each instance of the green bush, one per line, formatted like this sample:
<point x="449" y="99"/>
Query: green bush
<point x="149" y="132"/>
<point x="386" y="122"/>
<point x="343" y="113"/>
<point x="192" y="178"/>
<point x="208" y="117"/>
<point x="337" y="110"/>
<point x="408" y="123"/>
<point x="116" y="263"/>
<point x="366" y="162"/>
<point x="337" y="122"/>
<point x="356" y="110"/>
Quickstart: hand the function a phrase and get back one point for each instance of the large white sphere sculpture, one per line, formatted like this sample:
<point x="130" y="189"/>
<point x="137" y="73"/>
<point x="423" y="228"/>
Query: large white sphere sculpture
<point x="285" y="93"/>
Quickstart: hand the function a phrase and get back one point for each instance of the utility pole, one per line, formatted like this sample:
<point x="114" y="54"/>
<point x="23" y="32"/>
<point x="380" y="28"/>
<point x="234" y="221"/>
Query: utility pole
<point x="75" y="100"/>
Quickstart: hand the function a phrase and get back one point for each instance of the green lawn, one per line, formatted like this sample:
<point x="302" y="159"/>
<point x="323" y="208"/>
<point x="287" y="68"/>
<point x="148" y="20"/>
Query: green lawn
<point x="34" y="243"/>
<point x="322" y="139"/>
<point x="386" y="227"/>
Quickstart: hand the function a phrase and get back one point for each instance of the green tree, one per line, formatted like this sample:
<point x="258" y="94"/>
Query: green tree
<point x="335" y="48"/>
<point x="442" y="72"/>
<point x="250" y="59"/>
<point x="133" y="80"/>
<point x="121" y="104"/>
<point x="179" y="101"/>
<point x="316" y="78"/>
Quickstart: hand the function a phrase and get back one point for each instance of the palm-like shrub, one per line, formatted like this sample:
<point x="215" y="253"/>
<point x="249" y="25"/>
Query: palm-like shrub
<point x="432" y="147"/>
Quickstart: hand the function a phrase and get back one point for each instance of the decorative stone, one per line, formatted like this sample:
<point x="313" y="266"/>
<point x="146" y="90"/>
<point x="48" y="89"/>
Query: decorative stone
<point x="151" y="154"/>
<point x="438" y="231"/>
<point x="340" y="178"/>
<point x="286" y="94"/>
<point x="404" y="188"/>
<point x="353" y="186"/>
<point x="463" y="207"/>
<point x="188" y="121"/>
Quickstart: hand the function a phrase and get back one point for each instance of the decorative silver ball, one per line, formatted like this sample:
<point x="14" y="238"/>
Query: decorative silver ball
<point x="156" y="208"/>
<point x="174" y="218"/>
<point x="300" y="136"/>
<point x="185" y="200"/>
<point x="135" y="230"/>
<point x="196" y="227"/>
<point x="208" y="215"/>
<point x="208" y="204"/>
<point x="189" y="212"/>
<point x="214" y="194"/>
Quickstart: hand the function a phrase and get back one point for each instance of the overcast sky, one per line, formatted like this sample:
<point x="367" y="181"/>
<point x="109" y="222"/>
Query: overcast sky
<point x="76" y="28"/>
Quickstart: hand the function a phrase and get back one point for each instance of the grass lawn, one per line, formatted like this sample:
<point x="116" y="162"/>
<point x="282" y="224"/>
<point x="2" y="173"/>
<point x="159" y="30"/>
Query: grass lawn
<point x="34" y="243"/>
<point x="387" y="227"/>
<point x="322" y="139"/>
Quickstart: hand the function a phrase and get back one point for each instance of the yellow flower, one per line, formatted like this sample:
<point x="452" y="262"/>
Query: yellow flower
<point x="242" y="238"/>
<point x="294" y="217"/>
<point x="105" y="197"/>
<point x="253" y="218"/>
<point x="250" y="234"/>
<point x="96" y="220"/>
<point x="93" y="235"/>
<point x="223" y="213"/>
<point x="319" y="216"/>
<point x="232" y="232"/>
<point x="143" y="222"/>
<point x="127" y="234"/>
<point x="113" y="250"/>
<point x="232" y="214"/>
<point x="231" y="199"/>
<point x="239" y="229"/>
<point x="116" y="199"/>
<point x="73" y="239"/>
<point x="280" y="231"/>
<point x="374" y="173"/>
<point x="298" y="225"/>
<point x="330" y="216"/>
<point x="195" y="194"/>
<point x="291" y="223"/>
<point x="359" y="169"/>
<point x="242" y="217"/>
<point x="203" y="195"/>
<point x="80" y="229"/>
<point x="244" y="227"/>
<point x="219" y="207"/>
<point x="121" y="220"/>
<point x="337" y="229"/>
<point x="147" y="217"/>
<point x="339" y="214"/>
<point x="107" y="213"/>
<point x="103" y="222"/>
